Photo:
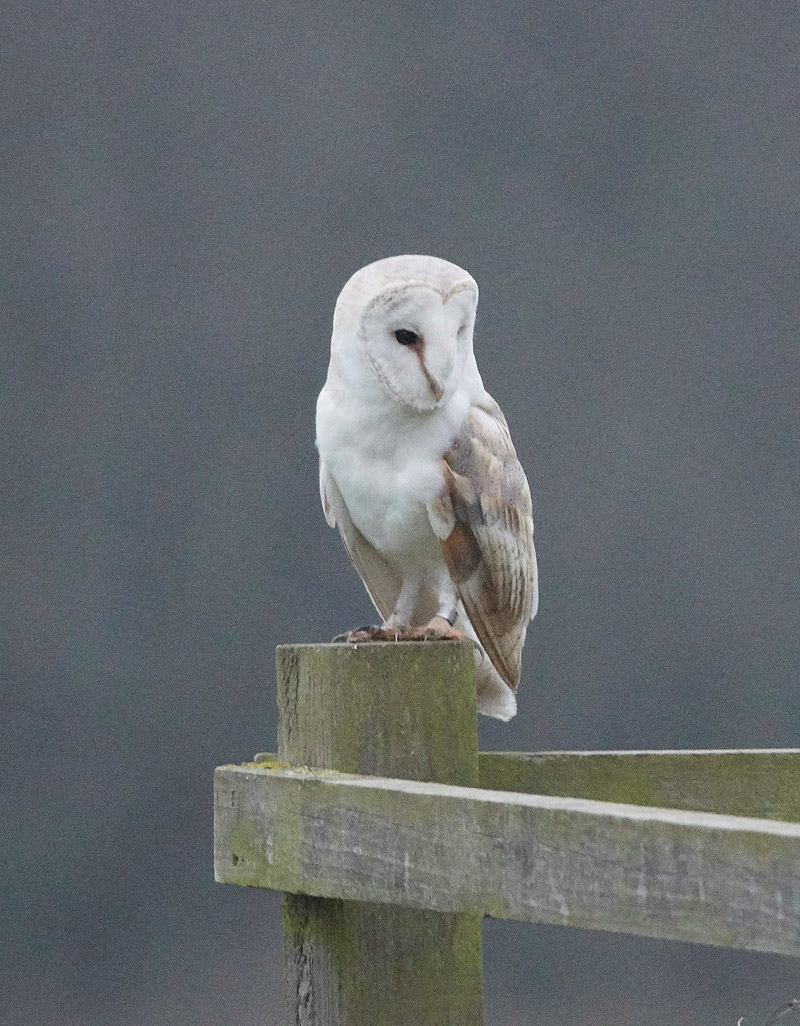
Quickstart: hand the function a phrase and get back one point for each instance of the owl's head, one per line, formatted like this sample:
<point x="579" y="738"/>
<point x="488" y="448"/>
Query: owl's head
<point x="405" y="324"/>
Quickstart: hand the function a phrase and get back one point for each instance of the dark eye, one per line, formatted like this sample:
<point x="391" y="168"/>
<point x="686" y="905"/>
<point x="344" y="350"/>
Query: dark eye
<point x="405" y="337"/>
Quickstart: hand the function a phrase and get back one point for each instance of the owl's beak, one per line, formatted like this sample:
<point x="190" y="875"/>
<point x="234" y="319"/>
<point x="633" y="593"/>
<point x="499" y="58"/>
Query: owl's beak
<point x="436" y="389"/>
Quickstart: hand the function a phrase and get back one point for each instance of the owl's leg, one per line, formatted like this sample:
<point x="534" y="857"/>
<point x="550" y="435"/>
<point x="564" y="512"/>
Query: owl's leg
<point x="442" y="626"/>
<point x="403" y="610"/>
<point x="395" y="628"/>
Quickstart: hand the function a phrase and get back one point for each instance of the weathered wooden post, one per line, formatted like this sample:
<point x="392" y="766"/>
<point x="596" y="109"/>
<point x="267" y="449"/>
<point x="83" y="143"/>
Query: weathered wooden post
<point x="594" y="840"/>
<point x="392" y="710"/>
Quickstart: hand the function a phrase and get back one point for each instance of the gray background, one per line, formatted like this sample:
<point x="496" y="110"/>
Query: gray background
<point x="187" y="187"/>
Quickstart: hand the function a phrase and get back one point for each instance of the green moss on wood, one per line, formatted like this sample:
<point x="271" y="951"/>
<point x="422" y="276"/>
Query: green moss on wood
<point x="270" y="763"/>
<point x="397" y="710"/>
<point x="765" y="784"/>
<point x="393" y="710"/>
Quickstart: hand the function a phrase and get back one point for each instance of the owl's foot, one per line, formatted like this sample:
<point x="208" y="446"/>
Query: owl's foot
<point x="440" y="629"/>
<point x="360" y="635"/>
<point x="437" y="629"/>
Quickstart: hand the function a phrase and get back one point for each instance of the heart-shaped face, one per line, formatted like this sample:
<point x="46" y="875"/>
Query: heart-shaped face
<point x="408" y="320"/>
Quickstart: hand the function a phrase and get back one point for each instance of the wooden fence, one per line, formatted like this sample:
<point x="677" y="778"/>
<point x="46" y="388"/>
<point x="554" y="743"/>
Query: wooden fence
<point x="391" y="837"/>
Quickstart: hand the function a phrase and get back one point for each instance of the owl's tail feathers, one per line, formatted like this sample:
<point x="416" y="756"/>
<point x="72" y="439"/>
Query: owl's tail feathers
<point x="495" y="697"/>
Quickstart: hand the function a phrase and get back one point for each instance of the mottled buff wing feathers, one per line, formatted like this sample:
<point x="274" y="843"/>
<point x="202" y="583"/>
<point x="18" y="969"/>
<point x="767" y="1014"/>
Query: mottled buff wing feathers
<point x="484" y="521"/>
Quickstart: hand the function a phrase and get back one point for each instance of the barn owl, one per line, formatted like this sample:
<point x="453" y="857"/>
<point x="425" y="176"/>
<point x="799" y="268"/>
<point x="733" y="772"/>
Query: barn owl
<point x="418" y="471"/>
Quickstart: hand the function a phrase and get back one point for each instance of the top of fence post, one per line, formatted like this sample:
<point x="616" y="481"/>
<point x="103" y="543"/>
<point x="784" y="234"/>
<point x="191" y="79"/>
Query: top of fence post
<point x="394" y="710"/>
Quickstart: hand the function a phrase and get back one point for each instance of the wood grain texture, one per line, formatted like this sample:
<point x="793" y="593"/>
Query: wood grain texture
<point x="687" y="876"/>
<point x="764" y="783"/>
<point x="404" y="710"/>
<point x="394" y="710"/>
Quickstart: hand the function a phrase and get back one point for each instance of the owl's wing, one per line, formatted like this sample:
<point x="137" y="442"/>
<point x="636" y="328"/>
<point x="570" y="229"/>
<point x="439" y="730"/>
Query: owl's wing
<point x="484" y="520"/>
<point x="379" y="576"/>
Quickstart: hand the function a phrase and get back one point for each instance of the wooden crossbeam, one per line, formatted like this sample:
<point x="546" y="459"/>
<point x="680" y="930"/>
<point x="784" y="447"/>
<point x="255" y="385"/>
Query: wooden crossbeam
<point x="763" y="782"/>
<point x="759" y="782"/>
<point x="691" y="876"/>
<point x="390" y="854"/>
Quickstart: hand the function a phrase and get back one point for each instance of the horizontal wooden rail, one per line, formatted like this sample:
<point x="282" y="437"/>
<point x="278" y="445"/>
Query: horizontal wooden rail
<point x="690" y="876"/>
<point x="761" y="782"/>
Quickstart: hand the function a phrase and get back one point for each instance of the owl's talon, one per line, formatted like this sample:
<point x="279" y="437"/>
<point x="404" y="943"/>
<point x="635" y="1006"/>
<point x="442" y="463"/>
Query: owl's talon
<point x="345" y="635"/>
<point x="438" y="629"/>
<point x="363" y="635"/>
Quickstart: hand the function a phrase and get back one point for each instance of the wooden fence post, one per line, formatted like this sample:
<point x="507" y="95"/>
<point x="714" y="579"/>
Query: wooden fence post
<point x="393" y="710"/>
